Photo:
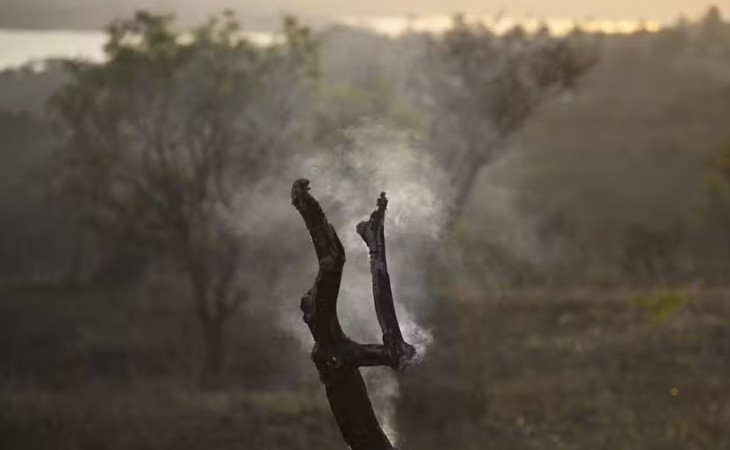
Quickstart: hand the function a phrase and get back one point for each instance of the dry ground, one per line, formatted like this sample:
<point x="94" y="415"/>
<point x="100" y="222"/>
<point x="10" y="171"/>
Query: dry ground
<point x="516" y="369"/>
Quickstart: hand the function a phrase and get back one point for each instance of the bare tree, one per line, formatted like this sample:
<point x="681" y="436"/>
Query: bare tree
<point x="335" y="355"/>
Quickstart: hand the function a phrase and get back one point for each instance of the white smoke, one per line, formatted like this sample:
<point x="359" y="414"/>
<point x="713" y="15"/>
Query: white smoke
<point x="384" y="389"/>
<point x="379" y="159"/>
<point x="347" y="182"/>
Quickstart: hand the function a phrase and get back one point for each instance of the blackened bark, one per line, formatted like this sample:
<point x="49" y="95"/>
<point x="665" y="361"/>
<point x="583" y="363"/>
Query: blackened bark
<point x="337" y="357"/>
<point x="373" y="233"/>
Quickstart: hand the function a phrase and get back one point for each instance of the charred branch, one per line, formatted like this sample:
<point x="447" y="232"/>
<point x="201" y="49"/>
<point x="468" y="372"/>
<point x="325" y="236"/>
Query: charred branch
<point x="373" y="233"/>
<point x="336" y="357"/>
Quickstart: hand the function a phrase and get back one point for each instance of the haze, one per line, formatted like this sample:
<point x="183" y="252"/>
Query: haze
<point x="262" y="13"/>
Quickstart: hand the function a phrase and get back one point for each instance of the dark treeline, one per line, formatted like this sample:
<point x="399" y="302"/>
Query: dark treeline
<point x="147" y="248"/>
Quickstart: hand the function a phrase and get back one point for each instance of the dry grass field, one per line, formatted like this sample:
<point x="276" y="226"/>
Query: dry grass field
<point x="514" y="369"/>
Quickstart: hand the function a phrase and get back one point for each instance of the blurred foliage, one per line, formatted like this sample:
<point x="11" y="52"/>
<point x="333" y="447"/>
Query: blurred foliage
<point x="343" y="106"/>
<point x="718" y="183"/>
<point x="175" y="111"/>
<point x="606" y="133"/>
<point x="483" y="88"/>
<point x="163" y="137"/>
<point x="660" y="306"/>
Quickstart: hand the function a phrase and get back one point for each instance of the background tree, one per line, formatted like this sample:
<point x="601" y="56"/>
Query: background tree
<point x="713" y="33"/>
<point x="484" y="87"/>
<point x="162" y="137"/>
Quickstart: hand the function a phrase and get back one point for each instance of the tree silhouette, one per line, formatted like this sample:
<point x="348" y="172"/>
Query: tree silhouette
<point x="335" y="355"/>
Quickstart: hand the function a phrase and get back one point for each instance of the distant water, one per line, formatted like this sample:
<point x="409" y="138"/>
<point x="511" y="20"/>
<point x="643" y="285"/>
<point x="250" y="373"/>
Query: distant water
<point x="18" y="47"/>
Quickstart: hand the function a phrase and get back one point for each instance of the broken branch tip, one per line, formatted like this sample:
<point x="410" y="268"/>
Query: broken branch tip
<point x="299" y="188"/>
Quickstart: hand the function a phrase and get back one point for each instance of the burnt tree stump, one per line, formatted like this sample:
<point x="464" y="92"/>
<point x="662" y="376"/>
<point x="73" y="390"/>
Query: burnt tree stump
<point x="336" y="356"/>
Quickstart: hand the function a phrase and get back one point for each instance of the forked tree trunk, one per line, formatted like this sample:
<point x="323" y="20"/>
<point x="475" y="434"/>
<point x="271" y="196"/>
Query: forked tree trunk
<point x="213" y="334"/>
<point x="335" y="355"/>
<point x="213" y="323"/>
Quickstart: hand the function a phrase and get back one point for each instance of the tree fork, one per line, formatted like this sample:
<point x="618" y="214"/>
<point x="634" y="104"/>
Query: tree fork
<point x="336" y="356"/>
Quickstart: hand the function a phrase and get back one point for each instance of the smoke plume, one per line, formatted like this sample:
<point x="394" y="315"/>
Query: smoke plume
<point x="347" y="182"/>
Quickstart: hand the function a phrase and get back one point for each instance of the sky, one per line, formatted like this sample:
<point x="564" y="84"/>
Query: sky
<point x="608" y="9"/>
<point x="93" y="13"/>
<point x="20" y="39"/>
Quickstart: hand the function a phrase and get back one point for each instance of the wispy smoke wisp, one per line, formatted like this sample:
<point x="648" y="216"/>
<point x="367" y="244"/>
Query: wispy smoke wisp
<point x="347" y="182"/>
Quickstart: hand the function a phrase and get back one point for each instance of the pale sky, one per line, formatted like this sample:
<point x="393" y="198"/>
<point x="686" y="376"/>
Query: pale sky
<point x="101" y="11"/>
<point x="608" y="9"/>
